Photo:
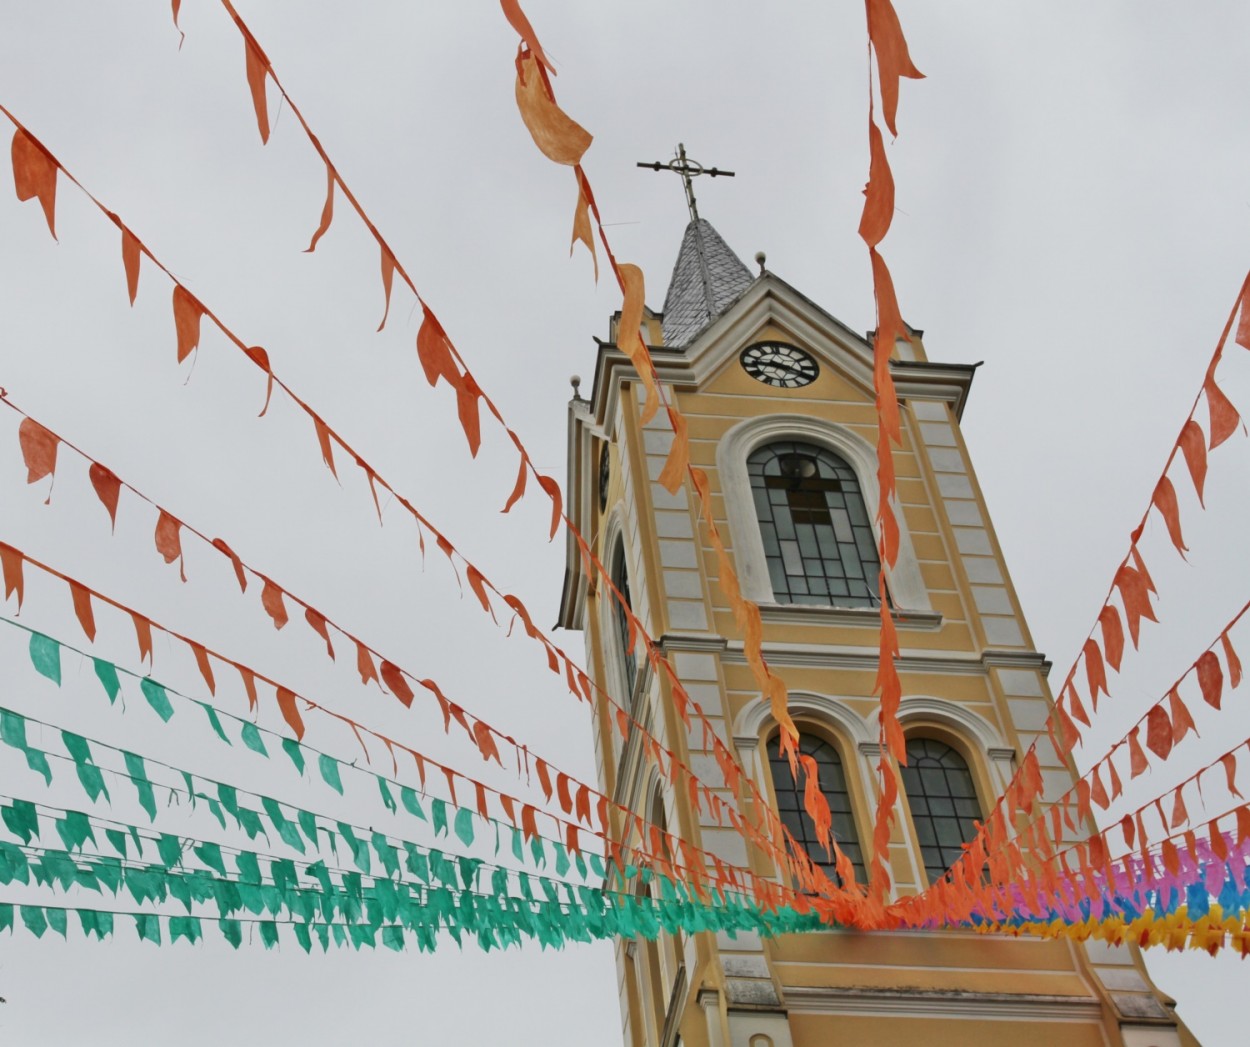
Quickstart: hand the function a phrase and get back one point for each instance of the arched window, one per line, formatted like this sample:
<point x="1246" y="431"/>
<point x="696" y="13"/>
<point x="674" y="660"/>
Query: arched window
<point x="818" y="539"/>
<point x="620" y="618"/>
<point x="832" y="779"/>
<point x="943" y="801"/>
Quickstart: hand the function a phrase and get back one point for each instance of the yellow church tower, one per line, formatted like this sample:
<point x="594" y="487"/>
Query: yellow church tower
<point x="778" y="396"/>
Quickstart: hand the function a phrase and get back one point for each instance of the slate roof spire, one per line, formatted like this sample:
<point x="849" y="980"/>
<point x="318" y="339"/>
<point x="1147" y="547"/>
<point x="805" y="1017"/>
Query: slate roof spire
<point x="707" y="278"/>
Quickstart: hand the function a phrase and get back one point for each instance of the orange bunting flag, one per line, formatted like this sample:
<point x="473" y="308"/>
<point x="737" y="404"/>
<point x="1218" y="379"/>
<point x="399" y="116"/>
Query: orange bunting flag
<point x="1210" y="678"/>
<point x="560" y="138"/>
<point x="518" y="490"/>
<point x="143" y="636"/>
<point x="1135" y="588"/>
<point x="260" y="358"/>
<point x="201" y="661"/>
<point x="327" y="210"/>
<point x="316" y="621"/>
<point x="1180" y="813"/>
<point x="1193" y="445"/>
<point x="249" y="685"/>
<point x="816" y="804"/>
<point x="516" y="18"/>
<point x="38" y="450"/>
<point x="1165" y="501"/>
<point x="394" y="679"/>
<point x="1075" y="706"/>
<point x="107" y="489"/>
<point x="1243" y="326"/>
<point x="323" y="440"/>
<point x="11" y="567"/>
<point x="467" y="396"/>
<point x="552" y="488"/>
<point x="1158" y="732"/>
<point x="1234" y="663"/>
<point x="878" y="212"/>
<point x="169" y="541"/>
<point x="581" y="228"/>
<point x="893" y="59"/>
<point x="1229" y="760"/>
<point x="388" y="278"/>
<point x="1098" y="792"/>
<point x="257" y="68"/>
<point x="34" y="174"/>
<point x="434" y="350"/>
<point x="1178" y="711"/>
<point x="82" y="608"/>
<point x="364" y="665"/>
<point x="678" y="460"/>
<point x="286" y="705"/>
<point x="629" y="338"/>
<point x="478" y="584"/>
<point x="1224" y="416"/>
<point x="187" y="314"/>
<point x="1112" y="636"/>
<point x="239" y="573"/>
<point x="1094" y="671"/>
<point x="130" y="261"/>
<point x="890" y="328"/>
<point x="1137" y="757"/>
<point x="271" y="600"/>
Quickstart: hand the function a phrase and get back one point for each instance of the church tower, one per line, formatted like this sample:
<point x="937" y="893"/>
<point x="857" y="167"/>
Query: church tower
<point x="778" y="396"/>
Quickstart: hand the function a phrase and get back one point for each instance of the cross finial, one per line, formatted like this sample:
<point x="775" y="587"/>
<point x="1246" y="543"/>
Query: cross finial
<point x="689" y="171"/>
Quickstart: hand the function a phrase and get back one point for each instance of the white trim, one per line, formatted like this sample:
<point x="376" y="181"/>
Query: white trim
<point x="956" y="716"/>
<point x="905" y="580"/>
<point x="749" y="723"/>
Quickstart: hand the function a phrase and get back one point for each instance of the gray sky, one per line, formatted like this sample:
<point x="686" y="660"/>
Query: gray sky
<point x="1072" y="210"/>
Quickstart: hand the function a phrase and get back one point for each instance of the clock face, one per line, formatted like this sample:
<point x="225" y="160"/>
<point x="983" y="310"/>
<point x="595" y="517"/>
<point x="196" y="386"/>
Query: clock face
<point x="780" y="365"/>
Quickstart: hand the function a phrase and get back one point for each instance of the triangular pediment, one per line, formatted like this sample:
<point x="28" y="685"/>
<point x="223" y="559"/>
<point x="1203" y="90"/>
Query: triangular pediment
<point x="771" y="309"/>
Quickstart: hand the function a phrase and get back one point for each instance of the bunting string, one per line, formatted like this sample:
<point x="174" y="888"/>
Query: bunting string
<point x="1134" y="585"/>
<point x="762" y="824"/>
<point x="564" y="141"/>
<point x="653" y="842"/>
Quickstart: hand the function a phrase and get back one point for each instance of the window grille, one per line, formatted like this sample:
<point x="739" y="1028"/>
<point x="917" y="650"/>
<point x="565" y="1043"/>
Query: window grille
<point x="943" y="802"/>
<point x="832" y="779"/>
<point x="819" y="541"/>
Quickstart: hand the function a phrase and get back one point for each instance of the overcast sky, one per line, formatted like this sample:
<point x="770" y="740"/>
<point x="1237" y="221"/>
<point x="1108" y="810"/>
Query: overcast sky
<point x="1072" y="210"/>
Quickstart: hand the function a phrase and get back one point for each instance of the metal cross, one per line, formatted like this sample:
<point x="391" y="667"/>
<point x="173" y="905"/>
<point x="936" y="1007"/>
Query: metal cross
<point x="689" y="170"/>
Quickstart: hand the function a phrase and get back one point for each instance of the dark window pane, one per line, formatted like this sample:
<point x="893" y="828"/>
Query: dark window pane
<point x="833" y="784"/>
<point x="943" y="802"/>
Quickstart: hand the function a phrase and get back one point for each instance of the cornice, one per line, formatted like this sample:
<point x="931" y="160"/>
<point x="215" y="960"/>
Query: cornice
<point x="832" y="656"/>
<point x="861" y="617"/>
<point x="919" y="1003"/>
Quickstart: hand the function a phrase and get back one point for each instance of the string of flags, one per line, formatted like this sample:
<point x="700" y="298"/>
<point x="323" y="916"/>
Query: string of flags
<point x="1039" y="865"/>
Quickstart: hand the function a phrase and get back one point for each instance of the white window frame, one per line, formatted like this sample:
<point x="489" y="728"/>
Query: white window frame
<point x="907" y="589"/>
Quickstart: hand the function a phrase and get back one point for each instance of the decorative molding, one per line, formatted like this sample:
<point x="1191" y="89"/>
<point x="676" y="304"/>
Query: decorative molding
<point x="749" y="723"/>
<point x="999" y="659"/>
<point x="831" y="656"/>
<point x="935" y="1004"/>
<point x="955" y="715"/>
<point x="698" y="643"/>
<point x="866" y="617"/>
<point x="905" y="579"/>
